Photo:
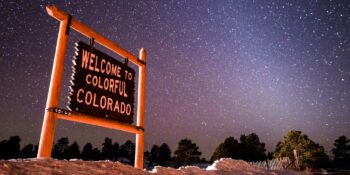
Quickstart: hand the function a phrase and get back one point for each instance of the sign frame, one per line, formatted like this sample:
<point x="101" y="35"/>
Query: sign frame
<point x="53" y="111"/>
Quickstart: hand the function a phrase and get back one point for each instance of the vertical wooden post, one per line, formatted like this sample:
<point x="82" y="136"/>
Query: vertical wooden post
<point x="53" y="99"/>
<point x="141" y="111"/>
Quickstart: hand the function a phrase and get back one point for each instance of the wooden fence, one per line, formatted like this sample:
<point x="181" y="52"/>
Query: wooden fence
<point x="275" y="164"/>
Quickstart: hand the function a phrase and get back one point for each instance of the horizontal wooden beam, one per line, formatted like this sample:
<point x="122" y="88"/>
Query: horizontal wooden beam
<point x="98" y="121"/>
<point x="90" y="33"/>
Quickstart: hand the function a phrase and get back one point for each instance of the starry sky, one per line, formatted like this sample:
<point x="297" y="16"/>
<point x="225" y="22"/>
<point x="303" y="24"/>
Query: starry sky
<point x="214" y="68"/>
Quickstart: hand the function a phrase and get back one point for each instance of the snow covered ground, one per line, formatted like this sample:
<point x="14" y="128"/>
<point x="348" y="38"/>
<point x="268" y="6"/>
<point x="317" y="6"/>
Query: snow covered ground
<point x="58" y="167"/>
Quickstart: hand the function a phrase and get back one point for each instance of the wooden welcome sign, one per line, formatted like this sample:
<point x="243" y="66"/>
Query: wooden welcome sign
<point x="102" y="88"/>
<point x="101" y="85"/>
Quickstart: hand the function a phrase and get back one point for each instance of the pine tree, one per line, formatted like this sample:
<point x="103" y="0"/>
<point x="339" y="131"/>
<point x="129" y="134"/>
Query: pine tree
<point x="251" y="149"/>
<point x="28" y="151"/>
<point x="187" y="153"/>
<point x="60" y="149"/>
<point x="341" y="152"/>
<point x="73" y="151"/>
<point x="3" y="149"/>
<point x="107" y="149"/>
<point x="312" y="155"/>
<point x="90" y="153"/>
<point x="164" y="154"/>
<point x="116" y="151"/>
<point x="96" y="154"/>
<point x="160" y="155"/>
<point x="155" y="154"/>
<point x="127" y="150"/>
<point x="228" y="149"/>
<point x="10" y="149"/>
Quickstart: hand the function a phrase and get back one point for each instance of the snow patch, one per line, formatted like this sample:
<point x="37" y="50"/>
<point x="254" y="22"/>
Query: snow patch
<point x="223" y="166"/>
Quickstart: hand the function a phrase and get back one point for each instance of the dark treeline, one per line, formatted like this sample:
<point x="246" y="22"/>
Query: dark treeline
<point x="248" y="148"/>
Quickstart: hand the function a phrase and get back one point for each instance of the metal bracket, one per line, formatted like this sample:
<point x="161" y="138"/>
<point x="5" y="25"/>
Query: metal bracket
<point x="59" y="111"/>
<point x="140" y="128"/>
<point x="68" y="24"/>
<point x="92" y="42"/>
<point x="126" y="61"/>
<point x="142" y="62"/>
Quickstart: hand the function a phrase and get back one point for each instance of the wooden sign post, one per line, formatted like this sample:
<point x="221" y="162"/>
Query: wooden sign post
<point x="53" y="110"/>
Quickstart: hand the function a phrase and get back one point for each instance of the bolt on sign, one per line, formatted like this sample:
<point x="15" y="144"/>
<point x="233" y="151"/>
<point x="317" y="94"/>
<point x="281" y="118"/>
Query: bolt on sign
<point x="101" y="85"/>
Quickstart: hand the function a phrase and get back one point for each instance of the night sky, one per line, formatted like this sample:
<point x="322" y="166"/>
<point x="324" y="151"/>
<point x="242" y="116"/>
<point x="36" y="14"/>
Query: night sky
<point x="214" y="68"/>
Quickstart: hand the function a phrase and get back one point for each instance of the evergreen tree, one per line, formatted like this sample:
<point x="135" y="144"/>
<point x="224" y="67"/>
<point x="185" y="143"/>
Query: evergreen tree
<point x="269" y="156"/>
<point x="90" y="153"/>
<point x="147" y="156"/>
<point x="127" y="150"/>
<point x="107" y="149"/>
<point x="86" y="153"/>
<point x="10" y="149"/>
<point x="278" y="147"/>
<point x="160" y="155"/>
<point x="73" y="151"/>
<point x="228" y="149"/>
<point x="110" y="151"/>
<point x="164" y="154"/>
<point x="203" y="160"/>
<point x="36" y="149"/>
<point x="28" y="151"/>
<point x="3" y="149"/>
<point x="251" y="149"/>
<point x="312" y="155"/>
<point x="187" y="153"/>
<point x="115" y="151"/>
<point x="341" y="152"/>
<point x="60" y="149"/>
<point x="96" y="154"/>
<point x="155" y="154"/>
